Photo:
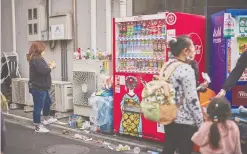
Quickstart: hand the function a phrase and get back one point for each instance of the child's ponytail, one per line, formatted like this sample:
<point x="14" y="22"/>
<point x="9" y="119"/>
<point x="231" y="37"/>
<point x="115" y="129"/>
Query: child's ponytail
<point x="214" y="136"/>
<point x="219" y="111"/>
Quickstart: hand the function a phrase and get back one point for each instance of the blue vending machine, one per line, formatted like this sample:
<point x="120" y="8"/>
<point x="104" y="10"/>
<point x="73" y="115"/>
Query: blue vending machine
<point x="228" y="41"/>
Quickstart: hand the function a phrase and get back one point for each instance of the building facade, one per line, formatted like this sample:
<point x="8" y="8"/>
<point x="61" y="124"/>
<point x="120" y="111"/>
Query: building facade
<point x="101" y="37"/>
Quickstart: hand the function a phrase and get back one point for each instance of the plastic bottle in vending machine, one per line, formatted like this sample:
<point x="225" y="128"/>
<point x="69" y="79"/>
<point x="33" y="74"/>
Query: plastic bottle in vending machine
<point x="131" y="29"/>
<point x="125" y="47"/>
<point x="163" y="46"/>
<point x="150" y="47"/>
<point x="135" y="30"/>
<point x="155" y="65"/>
<point x="120" y="46"/>
<point x="124" y="29"/>
<point x="149" y="28"/>
<point x="133" y="48"/>
<point x="121" y="61"/>
<point x="128" y="30"/>
<point x="139" y="29"/>
<point x="159" y="46"/>
<point x="163" y="29"/>
<point x="150" y="65"/>
<point x="139" y="45"/>
<point x="125" y="64"/>
<point x="120" y="26"/>
<point x="160" y="62"/>
<point x="155" y="46"/>
<point x="229" y="25"/>
<point x="144" y="29"/>
<point x="128" y="46"/>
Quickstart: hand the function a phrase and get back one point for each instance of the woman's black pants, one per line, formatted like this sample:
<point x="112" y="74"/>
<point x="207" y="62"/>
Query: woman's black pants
<point x="178" y="137"/>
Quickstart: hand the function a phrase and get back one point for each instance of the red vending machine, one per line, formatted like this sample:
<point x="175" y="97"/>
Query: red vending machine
<point x="140" y="50"/>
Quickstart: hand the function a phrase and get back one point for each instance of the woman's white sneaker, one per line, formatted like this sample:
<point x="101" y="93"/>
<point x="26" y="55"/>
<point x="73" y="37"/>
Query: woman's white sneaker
<point x="41" y="129"/>
<point x="48" y="121"/>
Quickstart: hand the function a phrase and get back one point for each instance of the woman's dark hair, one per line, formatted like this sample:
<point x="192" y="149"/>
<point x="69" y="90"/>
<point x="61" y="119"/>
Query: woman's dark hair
<point x="219" y="111"/>
<point x="178" y="44"/>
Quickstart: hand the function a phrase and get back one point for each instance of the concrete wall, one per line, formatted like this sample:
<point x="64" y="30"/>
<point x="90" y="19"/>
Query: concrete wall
<point x="6" y="28"/>
<point x="58" y="6"/>
<point x="83" y="25"/>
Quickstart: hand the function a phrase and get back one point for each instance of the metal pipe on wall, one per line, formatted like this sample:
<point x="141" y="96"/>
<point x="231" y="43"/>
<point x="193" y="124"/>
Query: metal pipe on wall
<point x="129" y="8"/>
<point x="108" y="12"/>
<point x="93" y="24"/>
<point x="123" y="8"/>
<point x="64" y="60"/>
<point x="74" y="2"/>
<point x="13" y="26"/>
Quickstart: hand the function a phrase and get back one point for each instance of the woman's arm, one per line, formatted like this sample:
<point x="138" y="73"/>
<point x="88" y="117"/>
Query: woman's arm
<point x="199" y="138"/>
<point x="190" y="94"/>
<point x="236" y="73"/>
<point x="41" y="66"/>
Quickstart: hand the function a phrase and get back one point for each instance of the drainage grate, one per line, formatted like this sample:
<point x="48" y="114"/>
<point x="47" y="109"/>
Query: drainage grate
<point x="66" y="149"/>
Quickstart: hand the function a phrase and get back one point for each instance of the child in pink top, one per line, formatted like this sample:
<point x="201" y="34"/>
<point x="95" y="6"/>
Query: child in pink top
<point x="219" y="134"/>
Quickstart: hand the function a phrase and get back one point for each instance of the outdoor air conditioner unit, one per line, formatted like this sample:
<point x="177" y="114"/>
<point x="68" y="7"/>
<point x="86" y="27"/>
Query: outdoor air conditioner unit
<point x="20" y="92"/>
<point x="15" y="90"/>
<point x="61" y="94"/>
<point x="87" y="79"/>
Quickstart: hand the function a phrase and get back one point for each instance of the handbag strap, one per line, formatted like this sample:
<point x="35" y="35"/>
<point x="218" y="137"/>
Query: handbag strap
<point x="169" y="68"/>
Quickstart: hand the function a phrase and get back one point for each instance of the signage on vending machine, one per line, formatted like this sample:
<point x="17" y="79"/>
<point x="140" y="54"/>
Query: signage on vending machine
<point x="198" y="46"/>
<point x="239" y="96"/>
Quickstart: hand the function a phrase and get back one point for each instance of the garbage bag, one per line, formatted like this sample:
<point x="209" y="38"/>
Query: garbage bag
<point x="102" y="108"/>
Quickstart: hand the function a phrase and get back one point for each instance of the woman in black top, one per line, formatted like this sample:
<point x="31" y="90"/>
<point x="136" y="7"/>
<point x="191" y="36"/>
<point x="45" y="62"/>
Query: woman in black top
<point x="235" y="75"/>
<point x="39" y="85"/>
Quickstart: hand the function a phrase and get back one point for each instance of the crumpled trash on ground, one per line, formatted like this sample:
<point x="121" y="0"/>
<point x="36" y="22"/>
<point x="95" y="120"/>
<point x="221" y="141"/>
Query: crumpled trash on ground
<point x="81" y="137"/>
<point x="108" y="145"/>
<point x="77" y="136"/>
<point x="85" y="125"/>
<point x="75" y="121"/>
<point x="120" y="147"/>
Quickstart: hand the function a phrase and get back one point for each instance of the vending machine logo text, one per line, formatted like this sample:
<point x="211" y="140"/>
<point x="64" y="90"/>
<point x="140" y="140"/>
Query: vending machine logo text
<point x="198" y="46"/>
<point x="239" y="96"/>
<point x="198" y="49"/>
<point x="217" y="35"/>
<point x="242" y="94"/>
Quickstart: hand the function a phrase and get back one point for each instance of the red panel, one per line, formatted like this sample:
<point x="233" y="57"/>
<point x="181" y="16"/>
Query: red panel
<point x="193" y="25"/>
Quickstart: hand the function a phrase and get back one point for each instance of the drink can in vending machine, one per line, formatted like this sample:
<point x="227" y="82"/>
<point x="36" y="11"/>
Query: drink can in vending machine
<point x="160" y="23"/>
<point x="155" y="28"/>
